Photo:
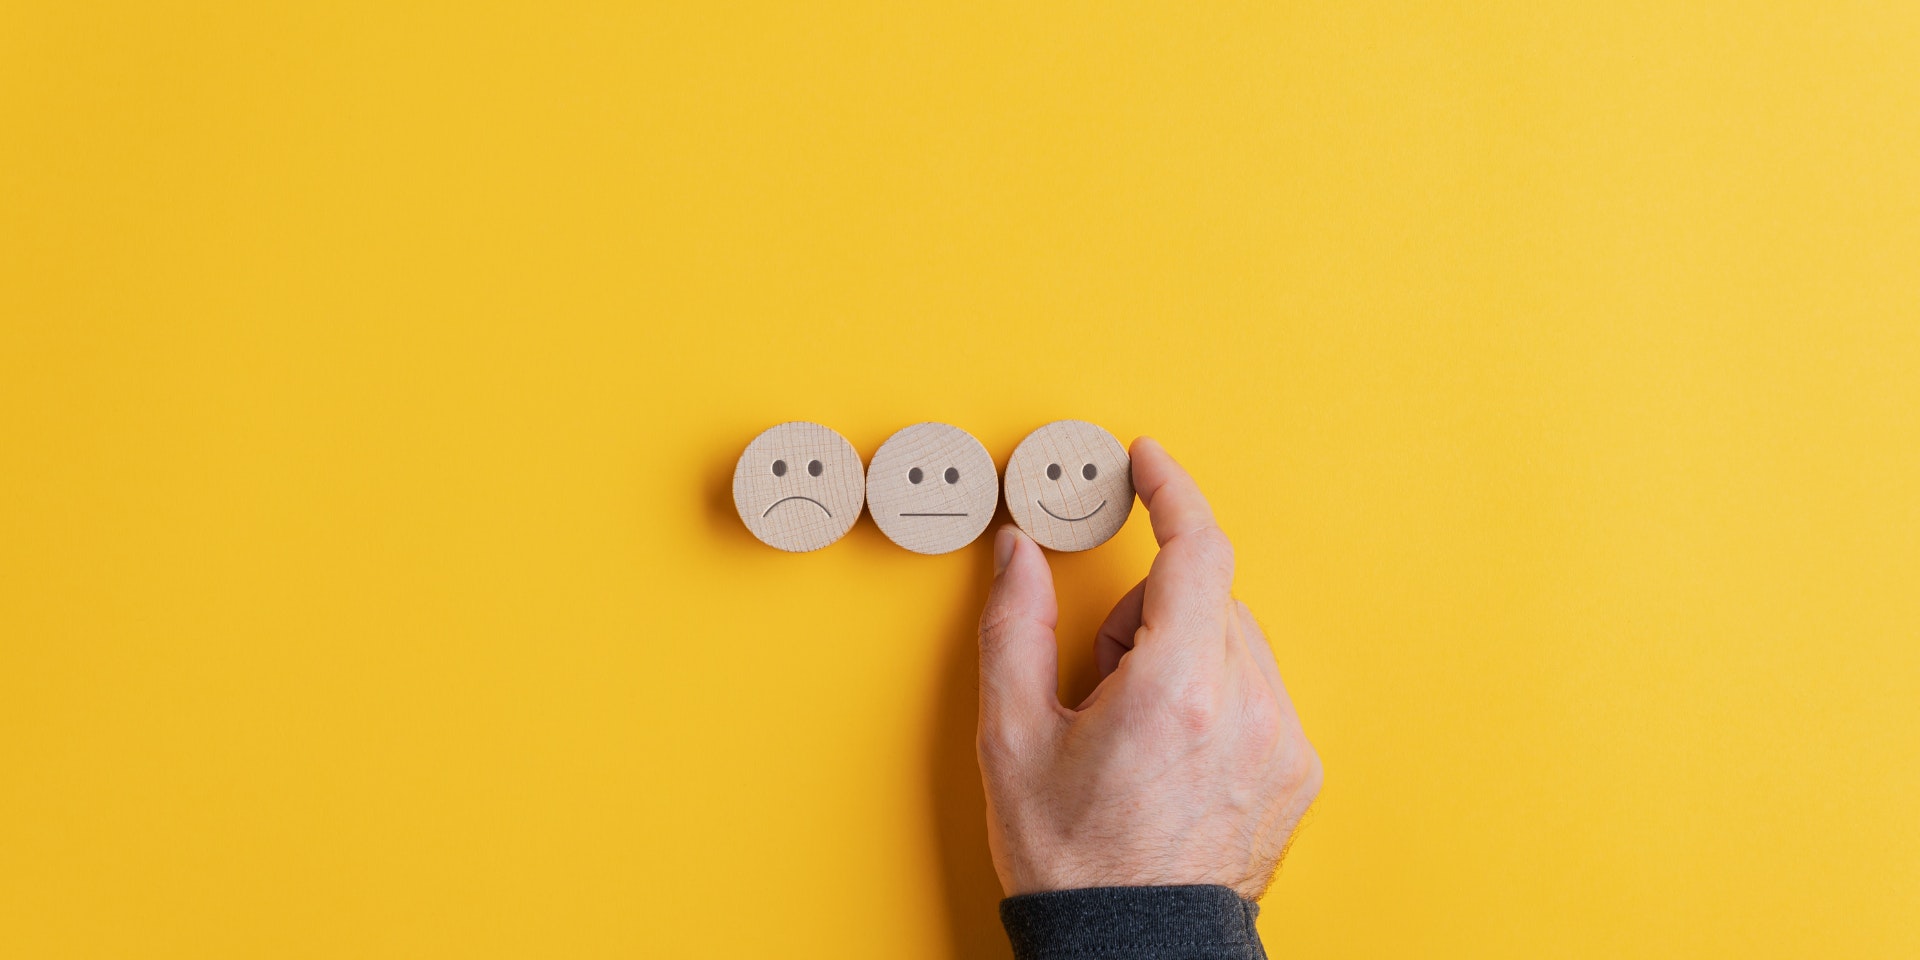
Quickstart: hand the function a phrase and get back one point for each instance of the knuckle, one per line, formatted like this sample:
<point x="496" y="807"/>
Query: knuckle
<point x="991" y="619"/>
<point x="996" y="743"/>
<point x="1194" y="707"/>
<point x="995" y="622"/>
<point x="1003" y="735"/>
<point x="1216" y="549"/>
<point x="1302" y="769"/>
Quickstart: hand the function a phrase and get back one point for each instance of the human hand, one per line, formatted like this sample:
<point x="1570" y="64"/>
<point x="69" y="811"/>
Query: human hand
<point x="1186" y="765"/>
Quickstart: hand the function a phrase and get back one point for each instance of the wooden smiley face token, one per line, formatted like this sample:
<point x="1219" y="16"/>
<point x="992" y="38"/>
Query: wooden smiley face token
<point x="1070" y="485"/>
<point x="932" y="488"/>
<point x="799" y="486"/>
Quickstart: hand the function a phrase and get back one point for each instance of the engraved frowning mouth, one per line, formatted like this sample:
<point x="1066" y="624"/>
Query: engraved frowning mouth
<point x="1056" y="516"/>
<point x="807" y="499"/>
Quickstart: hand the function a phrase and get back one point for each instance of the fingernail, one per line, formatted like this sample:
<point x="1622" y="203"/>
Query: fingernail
<point x="1003" y="549"/>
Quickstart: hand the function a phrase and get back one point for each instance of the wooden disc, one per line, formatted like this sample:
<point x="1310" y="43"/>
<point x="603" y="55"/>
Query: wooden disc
<point x="1070" y="485"/>
<point x="932" y="488"/>
<point x="799" y="486"/>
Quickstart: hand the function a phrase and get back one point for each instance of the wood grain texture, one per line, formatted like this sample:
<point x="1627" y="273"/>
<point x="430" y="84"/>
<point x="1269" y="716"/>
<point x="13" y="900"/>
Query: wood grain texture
<point x="932" y="488"/>
<point x="799" y="486"/>
<point x="1070" y="485"/>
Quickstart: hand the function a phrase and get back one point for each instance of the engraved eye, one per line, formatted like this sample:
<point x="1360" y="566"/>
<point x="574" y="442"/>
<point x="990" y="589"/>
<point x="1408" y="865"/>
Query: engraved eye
<point x="814" y="468"/>
<point x="1053" y="471"/>
<point x="915" y="476"/>
<point x="779" y="468"/>
<point x="953" y="475"/>
<point x="1089" y="472"/>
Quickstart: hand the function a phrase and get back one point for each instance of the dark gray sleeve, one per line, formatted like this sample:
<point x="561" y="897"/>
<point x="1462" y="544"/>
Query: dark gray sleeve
<point x="1133" y="923"/>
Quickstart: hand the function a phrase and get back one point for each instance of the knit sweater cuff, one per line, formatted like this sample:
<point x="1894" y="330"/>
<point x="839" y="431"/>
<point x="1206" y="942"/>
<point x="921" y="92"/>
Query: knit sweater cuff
<point x="1133" y="923"/>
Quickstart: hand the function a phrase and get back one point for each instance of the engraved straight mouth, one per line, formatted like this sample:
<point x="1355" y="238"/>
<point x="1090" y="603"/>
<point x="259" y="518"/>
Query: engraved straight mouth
<point x="811" y="500"/>
<point x="1056" y="516"/>
<point x="933" y="514"/>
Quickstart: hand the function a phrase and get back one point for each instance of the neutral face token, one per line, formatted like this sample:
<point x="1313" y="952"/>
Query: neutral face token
<point x="799" y="486"/>
<point x="1070" y="485"/>
<point x="932" y="488"/>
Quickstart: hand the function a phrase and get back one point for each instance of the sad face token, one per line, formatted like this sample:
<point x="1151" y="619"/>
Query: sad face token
<point x="1070" y="485"/>
<point x="932" y="488"/>
<point x="799" y="486"/>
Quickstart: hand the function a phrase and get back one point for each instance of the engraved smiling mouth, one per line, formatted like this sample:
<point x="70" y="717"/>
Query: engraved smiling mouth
<point x="811" y="500"/>
<point x="1056" y="516"/>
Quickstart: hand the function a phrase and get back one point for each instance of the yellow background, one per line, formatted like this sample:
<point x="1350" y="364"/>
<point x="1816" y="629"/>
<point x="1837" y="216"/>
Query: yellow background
<point x="371" y="377"/>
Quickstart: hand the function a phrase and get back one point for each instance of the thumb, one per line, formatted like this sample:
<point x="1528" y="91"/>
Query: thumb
<point x="1019" y="663"/>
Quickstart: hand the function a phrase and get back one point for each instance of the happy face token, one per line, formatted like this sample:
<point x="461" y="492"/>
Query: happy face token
<point x="1070" y="485"/>
<point x="799" y="486"/>
<point x="932" y="488"/>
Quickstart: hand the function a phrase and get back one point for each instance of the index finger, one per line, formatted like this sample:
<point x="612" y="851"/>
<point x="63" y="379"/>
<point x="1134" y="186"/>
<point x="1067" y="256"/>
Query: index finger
<point x="1190" y="585"/>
